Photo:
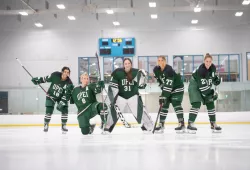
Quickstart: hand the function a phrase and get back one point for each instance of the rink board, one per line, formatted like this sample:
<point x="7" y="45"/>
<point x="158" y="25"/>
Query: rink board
<point x="202" y="118"/>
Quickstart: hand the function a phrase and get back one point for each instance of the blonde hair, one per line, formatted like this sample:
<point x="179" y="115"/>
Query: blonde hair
<point x="208" y="56"/>
<point x="163" y="58"/>
<point x="84" y="74"/>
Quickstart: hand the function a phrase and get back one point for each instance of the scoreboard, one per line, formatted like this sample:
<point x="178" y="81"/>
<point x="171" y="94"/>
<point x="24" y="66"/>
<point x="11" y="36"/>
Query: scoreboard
<point x="117" y="46"/>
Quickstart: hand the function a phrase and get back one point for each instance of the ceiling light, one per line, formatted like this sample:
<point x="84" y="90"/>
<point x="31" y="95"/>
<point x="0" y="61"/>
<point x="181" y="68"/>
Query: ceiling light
<point x="71" y="18"/>
<point x="194" y="21"/>
<point x="110" y="11"/>
<point x="38" y="24"/>
<point x="116" y="23"/>
<point x="23" y="13"/>
<point x="154" y="16"/>
<point x="152" y="4"/>
<point x="60" y="6"/>
<point x="197" y="9"/>
<point x="238" y="14"/>
<point x="246" y="2"/>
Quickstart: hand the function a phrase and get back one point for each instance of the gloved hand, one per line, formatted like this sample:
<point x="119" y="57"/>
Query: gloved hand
<point x="216" y="81"/>
<point x="215" y="96"/>
<point x="162" y="100"/>
<point x="143" y="86"/>
<point x="61" y="105"/>
<point x="161" y="86"/>
<point x="209" y="98"/>
<point x="101" y="84"/>
<point x="36" y="80"/>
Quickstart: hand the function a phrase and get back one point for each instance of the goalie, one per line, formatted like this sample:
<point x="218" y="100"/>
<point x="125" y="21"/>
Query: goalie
<point x="123" y="91"/>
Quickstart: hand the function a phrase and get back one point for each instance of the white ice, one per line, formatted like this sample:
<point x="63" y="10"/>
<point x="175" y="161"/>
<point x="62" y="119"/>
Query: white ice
<point x="128" y="149"/>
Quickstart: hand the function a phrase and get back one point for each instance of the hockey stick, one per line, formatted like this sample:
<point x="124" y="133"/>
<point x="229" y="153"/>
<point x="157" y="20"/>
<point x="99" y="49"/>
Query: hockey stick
<point x="216" y="89"/>
<point x="33" y="77"/>
<point x="157" y="118"/>
<point x="124" y="122"/>
<point x="99" y="78"/>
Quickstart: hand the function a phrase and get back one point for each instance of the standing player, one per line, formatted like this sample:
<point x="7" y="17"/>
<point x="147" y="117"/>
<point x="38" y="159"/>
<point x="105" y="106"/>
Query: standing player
<point x="60" y="83"/>
<point x="84" y="97"/>
<point x="124" y="91"/>
<point x="172" y="92"/>
<point x="200" y="91"/>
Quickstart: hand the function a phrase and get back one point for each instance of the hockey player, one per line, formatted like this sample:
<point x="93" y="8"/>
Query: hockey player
<point x="172" y="88"/>
<point x="84" y="97"/>
<point x="200" y="91"/>
<point x="123" y="91"/>
<point x="60" y="83"/>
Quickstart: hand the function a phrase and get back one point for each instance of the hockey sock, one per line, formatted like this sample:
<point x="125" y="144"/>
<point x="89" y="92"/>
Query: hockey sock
<point x="64" y="118"/>
<point x="211" y="111"/>
<point x="178" y="110"/>
<point x="49" y="111"/>
<point x="163" y="114"/>
<point x="194" y="111"/>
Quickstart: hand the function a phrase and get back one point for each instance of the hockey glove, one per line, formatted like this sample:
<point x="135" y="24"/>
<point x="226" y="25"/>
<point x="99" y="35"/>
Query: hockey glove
<point x="215" y="97"/>
<point x="162" y="100"/>
<point x="61" y="105"/>
<point x="216" y="81"/>
<point x="36" y="80"/>
<point x="209" y="98"/>
<point x="143" y="86"/>
<point x="101" y="84"/>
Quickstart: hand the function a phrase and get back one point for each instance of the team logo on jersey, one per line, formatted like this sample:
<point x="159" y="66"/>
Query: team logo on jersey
<point x="125" y="82"/>
<point x="82" y="95"/>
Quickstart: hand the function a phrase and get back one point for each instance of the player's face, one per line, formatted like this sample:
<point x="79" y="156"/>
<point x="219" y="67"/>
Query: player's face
<point x="84" y="80"/>
<point x="65" y="74"/>
<point x="127" y="65"/>
<point x="161" y="62"/>
<point x="208" y="62"/>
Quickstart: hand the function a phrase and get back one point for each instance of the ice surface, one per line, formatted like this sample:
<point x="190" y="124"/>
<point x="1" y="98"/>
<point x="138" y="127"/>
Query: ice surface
<point x="128" y="149"/>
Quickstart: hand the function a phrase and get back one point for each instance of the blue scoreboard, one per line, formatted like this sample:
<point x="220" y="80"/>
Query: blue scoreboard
<point x="117" y="47"/>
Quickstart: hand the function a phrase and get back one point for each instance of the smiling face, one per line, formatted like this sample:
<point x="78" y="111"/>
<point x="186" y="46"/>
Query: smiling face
<point x="84" y="79"/>
<point x="162" y="62"/>
<point x="127" y="65"/>
<point x="208" y="62"/>
<point x="65" y="74"/>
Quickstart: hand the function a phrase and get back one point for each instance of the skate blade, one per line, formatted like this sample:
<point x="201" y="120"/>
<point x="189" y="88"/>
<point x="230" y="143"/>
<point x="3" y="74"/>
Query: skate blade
<point x="180" y="131"/>
<point x="159" y="132"/>
<point x="105" y="133"/>
<point x="216" y="131"/>
<point x="147" y="132"/>
<point x="191" y="131"/>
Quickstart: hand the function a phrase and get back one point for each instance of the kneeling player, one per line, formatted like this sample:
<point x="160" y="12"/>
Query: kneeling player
<point x="84" y="97"/>
<point x="124" y="91"/>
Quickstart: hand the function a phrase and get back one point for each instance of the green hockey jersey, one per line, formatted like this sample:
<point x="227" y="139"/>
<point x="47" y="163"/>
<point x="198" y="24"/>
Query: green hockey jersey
<point x="125" y="88"/>
<point x="57" y="87"/>
<point x="169" y="81"/>
<point x="83" y="97"/>
<point x="204" y="78"/>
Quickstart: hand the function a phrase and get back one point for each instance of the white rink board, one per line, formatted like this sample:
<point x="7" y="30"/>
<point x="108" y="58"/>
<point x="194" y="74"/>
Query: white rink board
<point x="222" y="117"/>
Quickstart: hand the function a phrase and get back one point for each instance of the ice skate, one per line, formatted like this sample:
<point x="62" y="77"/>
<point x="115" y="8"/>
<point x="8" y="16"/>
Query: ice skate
<point x="181" y="127"/>
<point x="191" y="128"/>
<point x="64" y="129"/>
<point x="215" y="128"/>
